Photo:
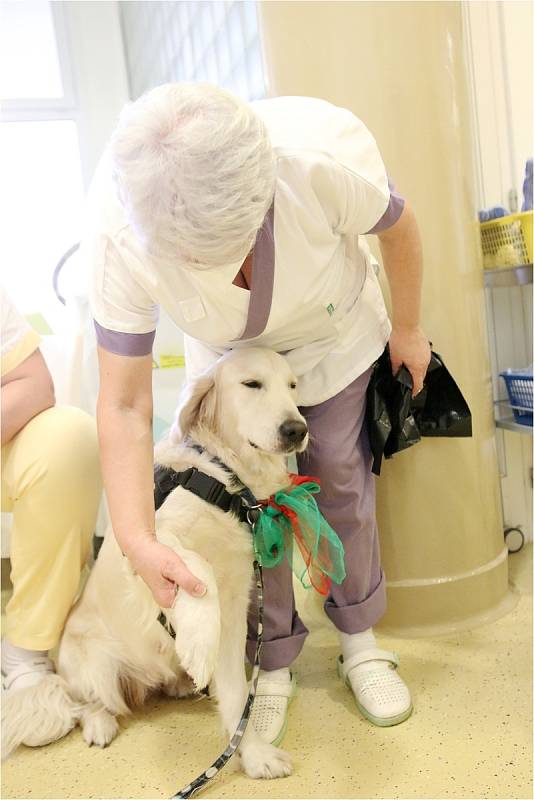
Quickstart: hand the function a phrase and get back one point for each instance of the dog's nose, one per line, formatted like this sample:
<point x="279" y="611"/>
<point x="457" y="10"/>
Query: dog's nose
<point x="293" y="431"/>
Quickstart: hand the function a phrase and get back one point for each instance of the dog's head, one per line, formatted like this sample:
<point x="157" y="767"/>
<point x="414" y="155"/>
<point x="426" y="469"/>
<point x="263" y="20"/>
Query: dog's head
<point x="248" y="399"/>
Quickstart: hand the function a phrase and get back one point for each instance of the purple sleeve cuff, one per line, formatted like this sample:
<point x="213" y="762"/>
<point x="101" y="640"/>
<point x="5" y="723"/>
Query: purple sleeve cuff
<point x="392" y="212"/>
<point x="124" y="344"/>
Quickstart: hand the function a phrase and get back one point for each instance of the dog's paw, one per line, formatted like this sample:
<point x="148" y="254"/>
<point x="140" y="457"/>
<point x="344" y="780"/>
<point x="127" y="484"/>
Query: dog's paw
<point x="265" y="761"/>
<point x="181" y="685"/>
<point x="197" y="625"/>
<point x="99" y="727"/>
<point x="198" y="656"/>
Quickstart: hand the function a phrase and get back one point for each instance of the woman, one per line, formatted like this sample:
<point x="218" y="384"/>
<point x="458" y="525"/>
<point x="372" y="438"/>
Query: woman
<point x="242" y="222"/>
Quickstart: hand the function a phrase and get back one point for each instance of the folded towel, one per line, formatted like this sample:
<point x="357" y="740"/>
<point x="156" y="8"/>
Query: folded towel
<point x="485" y="214"/>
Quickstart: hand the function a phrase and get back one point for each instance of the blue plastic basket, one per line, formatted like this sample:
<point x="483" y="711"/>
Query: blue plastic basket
<point x="519" y="386"/>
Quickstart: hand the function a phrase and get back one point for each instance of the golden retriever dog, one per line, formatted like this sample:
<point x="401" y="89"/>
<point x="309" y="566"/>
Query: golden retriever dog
<point x="114" y="651"/>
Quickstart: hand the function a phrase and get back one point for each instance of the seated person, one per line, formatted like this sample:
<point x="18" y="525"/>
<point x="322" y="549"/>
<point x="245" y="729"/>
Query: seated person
<point x="51" y="483"/>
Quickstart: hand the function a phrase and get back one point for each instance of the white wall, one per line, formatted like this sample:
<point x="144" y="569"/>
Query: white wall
<point x="517" y="26"/>
<point x="101" y="83"/>
<point x="499" y="37"/>
<point x="502" y="62"/>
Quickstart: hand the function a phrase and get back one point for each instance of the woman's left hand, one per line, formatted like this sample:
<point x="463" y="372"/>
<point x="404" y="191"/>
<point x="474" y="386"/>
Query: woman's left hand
<point x="410" y="346"/>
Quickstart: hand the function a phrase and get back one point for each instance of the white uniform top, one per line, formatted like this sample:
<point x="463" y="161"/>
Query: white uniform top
<point x="19" y="340"/>
<point x="314" y="294"/>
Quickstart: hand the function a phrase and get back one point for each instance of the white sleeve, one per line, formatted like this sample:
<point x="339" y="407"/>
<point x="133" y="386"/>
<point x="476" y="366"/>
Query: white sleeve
<point x="360" y="176"/>
<point x="125" y="315"/>
<point x="351" y="179"/>
<point x="18" y="339"/>
<point x="357" y="205"/>
<point x="349" y="204"/>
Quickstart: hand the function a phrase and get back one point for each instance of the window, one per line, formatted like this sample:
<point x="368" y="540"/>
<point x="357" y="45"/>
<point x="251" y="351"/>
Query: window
<point x="41" y="195"/>
<point x="194" y="41"/>
<point x="28" y="28"/>
<point x="41" y="201"/>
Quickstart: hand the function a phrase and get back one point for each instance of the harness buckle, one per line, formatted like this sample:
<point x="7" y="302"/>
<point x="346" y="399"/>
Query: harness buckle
<point x="253" y="514"/>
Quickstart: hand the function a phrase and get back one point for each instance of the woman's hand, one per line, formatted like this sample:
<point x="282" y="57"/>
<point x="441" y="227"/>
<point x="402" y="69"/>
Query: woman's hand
<point x="162" y="570"/>
<point x="124" y="413"/>
<point x="402" y="255"/>
<point x="409" y="346"/>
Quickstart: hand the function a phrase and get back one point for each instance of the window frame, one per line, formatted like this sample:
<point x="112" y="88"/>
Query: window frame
<point x="41" y="109"/>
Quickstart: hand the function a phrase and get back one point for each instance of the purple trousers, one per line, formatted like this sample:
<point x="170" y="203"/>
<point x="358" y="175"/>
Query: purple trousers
<point x="339" y="455"/>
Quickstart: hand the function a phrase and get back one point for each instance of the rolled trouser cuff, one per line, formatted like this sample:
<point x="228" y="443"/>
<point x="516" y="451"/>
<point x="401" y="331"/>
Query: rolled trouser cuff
<point x="279" y="653"/>
<point x="359" y="617"/>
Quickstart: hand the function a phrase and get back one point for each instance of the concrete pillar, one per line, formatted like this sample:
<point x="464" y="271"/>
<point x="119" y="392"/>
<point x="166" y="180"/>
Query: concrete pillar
<point x="400" y="67"/>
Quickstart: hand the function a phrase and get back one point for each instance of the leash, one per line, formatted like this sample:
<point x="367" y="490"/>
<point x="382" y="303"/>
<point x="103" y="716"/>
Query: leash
<point x="199" y="783"/>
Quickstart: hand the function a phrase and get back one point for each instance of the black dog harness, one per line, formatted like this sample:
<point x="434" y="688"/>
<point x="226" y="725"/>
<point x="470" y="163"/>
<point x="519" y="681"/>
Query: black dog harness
<point x="207" y="488"/>
<point x="246" y="508"/>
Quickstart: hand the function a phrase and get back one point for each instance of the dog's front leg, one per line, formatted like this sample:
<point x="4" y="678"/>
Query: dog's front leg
<point x="196" y="621"/>
<point x="259" y="759"/>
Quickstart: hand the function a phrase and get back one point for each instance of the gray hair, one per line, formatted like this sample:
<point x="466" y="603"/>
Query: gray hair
<point x="195" y="172"/>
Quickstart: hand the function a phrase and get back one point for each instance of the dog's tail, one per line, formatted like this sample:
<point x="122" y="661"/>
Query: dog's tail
<point x="38" y="715"/>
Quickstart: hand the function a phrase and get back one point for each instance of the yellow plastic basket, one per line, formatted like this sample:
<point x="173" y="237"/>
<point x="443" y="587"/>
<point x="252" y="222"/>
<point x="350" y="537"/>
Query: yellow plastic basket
<point x="507" y="241"/>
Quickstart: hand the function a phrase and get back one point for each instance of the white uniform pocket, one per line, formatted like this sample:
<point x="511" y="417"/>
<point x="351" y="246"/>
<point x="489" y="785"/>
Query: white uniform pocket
<point x="192" y="309"/>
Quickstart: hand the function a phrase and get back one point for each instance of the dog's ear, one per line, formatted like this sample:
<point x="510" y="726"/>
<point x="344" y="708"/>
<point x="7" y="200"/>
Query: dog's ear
<point x="197" y="406"/>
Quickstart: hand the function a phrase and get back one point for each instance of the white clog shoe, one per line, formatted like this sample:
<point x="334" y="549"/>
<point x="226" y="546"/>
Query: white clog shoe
<point x="269" y="713"/>
<point x="381" y="695"/>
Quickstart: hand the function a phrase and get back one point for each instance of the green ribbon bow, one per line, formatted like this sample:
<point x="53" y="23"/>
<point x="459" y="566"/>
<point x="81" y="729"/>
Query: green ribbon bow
<point x="292" y="516"/>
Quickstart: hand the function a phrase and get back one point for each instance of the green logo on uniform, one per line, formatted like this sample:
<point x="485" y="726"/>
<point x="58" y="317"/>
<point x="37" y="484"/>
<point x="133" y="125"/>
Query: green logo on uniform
<point x="330" y="309"/>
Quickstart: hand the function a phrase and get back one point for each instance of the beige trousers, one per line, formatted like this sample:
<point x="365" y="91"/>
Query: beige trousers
<point x="51" y="483"/>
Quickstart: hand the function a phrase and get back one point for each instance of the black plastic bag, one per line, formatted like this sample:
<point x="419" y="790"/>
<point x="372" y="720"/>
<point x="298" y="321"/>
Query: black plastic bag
<point x="396" y="421"/>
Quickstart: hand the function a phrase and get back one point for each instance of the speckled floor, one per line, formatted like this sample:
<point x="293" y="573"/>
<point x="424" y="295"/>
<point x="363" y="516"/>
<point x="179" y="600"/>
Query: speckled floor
<point x="469" y="737"/>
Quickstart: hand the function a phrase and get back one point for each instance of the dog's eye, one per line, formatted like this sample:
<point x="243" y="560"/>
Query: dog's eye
<point x="293" y="385"/>
<point x="253" y="384"/>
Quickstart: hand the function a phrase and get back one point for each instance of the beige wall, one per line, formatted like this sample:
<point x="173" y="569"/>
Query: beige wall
<point x="400" y="67"/>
